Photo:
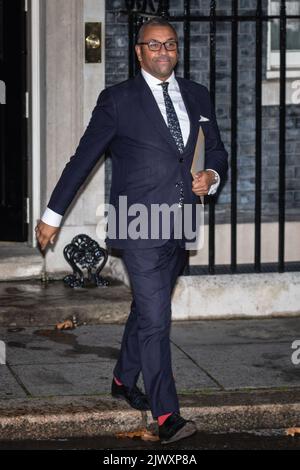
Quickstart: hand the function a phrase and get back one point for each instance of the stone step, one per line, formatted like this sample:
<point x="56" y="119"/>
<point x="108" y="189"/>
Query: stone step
<point x="27" y="303"/>
<point x="19" y="261"/>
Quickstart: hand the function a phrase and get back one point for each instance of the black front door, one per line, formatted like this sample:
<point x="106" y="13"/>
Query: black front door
<point x="13" y="148"/>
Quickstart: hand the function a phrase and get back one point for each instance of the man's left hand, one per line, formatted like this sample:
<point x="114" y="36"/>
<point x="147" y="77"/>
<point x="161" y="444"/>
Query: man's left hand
<point x="202" y="182"/>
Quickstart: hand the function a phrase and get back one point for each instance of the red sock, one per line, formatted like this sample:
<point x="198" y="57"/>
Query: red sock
<point x="161" y="419"/>
<point x="117" y="381"/>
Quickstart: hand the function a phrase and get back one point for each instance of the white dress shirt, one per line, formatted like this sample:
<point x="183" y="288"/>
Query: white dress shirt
<point x="175" y="95"/>
<point x="54" y="219"/>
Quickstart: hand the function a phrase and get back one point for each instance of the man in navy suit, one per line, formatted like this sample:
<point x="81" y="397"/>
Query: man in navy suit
<point x="150" y="124"/>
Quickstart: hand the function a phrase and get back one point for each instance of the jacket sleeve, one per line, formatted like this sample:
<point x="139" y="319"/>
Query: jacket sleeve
<point x="216" y="157"/>
<point x="96" y="139"/>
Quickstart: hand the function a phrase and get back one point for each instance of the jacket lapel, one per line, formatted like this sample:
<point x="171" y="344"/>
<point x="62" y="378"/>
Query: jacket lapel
<point x="193" y="112"/>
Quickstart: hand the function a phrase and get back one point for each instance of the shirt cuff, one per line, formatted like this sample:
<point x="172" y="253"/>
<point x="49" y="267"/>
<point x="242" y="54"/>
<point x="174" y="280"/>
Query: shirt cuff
<point x="214" y="187"/>
<point x="52" y="218"/>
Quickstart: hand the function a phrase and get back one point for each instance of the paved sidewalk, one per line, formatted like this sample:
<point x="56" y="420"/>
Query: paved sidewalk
<point x="230" y="375"/>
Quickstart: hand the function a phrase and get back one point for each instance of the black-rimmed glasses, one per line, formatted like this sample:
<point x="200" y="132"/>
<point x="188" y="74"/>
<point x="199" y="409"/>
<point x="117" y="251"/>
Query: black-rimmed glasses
<point x="157" y="45"/>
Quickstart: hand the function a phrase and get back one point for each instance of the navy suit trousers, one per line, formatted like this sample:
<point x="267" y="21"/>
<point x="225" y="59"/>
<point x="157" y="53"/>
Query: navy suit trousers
<point x="146" y="340"/>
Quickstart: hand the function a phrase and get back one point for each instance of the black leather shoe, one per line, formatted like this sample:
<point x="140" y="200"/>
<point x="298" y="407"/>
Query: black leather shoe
<point x="134" y="397"/>
<point x="175" y="428"/>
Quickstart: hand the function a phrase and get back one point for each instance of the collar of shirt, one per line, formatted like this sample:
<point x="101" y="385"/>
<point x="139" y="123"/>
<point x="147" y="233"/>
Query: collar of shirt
<point x="152" y="81"/>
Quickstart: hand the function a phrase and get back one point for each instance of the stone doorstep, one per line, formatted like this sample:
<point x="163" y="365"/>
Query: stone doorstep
<point x="19" y="261"/>
<point x="70" y="417"/>
<point x="30" y="303"/>
<point x="108" y="312"/>
<point x="21" y="268"/>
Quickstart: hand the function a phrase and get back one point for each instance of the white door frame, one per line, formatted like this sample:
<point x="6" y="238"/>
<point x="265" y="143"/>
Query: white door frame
<point x="35" y="117"/>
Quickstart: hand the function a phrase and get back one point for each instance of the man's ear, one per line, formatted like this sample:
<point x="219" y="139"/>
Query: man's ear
<point x="138" y="52"/>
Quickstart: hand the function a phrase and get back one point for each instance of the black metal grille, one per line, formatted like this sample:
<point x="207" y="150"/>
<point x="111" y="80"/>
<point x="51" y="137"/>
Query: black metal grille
<point x="138" y="12"/>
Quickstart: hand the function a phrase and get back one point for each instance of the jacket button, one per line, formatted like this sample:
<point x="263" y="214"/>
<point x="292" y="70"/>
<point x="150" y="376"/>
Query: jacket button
<point x="180" y="159"/>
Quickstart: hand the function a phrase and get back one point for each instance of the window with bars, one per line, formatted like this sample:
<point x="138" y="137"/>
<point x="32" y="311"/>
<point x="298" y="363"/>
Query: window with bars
<point x="292" y="40"/>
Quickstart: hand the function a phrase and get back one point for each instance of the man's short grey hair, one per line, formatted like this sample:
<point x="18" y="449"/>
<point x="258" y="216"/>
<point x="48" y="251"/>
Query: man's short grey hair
<point x="156" y="21"/>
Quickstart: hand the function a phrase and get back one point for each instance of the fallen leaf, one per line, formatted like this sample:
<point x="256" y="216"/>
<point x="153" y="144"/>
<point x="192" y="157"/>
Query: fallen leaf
<point x="143" y="434"/>
<point x="292" y="431"/>
<point x="148" y="436"/>
<point x="65" y="325"/>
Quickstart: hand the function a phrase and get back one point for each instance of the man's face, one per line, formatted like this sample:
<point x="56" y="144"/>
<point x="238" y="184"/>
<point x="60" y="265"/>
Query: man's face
<point x="159" y="63"/>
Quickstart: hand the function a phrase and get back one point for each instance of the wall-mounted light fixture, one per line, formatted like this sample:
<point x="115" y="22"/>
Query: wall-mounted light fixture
<point x="92" y="43"/>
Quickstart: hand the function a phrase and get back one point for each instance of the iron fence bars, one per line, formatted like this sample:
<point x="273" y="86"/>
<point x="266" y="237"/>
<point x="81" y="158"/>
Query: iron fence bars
<point x="212" y="87"/>
<point x="282" y="130"/>
<point x="234" y="120"/>
<point x="186" y="40"/>
<point x="258" y="137"/>
<point x="135" y="21"/>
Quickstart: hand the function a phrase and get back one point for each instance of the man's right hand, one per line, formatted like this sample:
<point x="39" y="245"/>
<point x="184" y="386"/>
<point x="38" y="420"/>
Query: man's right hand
<point x="45" y="233"/>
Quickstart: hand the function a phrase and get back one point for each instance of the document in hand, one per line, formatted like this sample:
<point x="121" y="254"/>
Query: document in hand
<point x="199" y="156"/>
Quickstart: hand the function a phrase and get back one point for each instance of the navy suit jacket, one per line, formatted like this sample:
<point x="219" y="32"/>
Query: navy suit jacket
<point x="146" y="164"/>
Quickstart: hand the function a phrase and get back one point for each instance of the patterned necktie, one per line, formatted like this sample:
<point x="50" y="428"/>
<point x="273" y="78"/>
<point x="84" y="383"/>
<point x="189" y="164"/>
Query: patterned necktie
<point x="175" y="131"/>
<point x="172" y="118"/>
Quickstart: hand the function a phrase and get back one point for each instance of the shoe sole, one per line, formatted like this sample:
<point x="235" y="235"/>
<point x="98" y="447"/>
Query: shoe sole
<point x="121" y="397"/>
<point x="186" y="431"/>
